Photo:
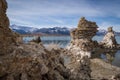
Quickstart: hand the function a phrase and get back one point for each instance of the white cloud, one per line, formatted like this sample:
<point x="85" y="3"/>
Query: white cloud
<point x="27" y="11"/>
<point x="47" y="8"/>
<point x="44" y="12"/>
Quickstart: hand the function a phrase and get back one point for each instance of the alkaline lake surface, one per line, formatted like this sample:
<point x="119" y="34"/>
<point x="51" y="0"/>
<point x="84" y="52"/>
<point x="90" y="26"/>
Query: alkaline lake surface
<point x="63" y="41"/>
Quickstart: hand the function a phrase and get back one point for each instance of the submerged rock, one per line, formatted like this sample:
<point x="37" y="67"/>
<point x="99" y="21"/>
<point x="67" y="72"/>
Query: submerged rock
<point x="37" y="40"/>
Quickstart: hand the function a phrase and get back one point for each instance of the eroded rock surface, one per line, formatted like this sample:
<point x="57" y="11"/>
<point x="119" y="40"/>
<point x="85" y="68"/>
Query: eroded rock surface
<point x="103" y="71"/>
<point x="85" y="29"/>
<point x="109" y="40"/>
<point x="33" y="62"/>
<point x="7" y="37"/>
<point x="81" y="42"/>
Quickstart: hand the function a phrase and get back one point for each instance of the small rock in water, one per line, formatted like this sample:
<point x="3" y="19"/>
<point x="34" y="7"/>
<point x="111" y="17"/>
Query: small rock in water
<point x="37" y="40"/>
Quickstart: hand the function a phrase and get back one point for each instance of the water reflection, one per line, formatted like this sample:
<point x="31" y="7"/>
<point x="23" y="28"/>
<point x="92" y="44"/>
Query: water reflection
<point x="112" y="57"/>
<point x="116" y="60"/>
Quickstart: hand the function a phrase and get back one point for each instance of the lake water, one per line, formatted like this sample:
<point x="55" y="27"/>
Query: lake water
<point x="64" y="41"/>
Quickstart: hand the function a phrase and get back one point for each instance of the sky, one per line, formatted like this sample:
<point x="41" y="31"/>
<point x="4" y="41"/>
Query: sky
<point x="64" y="13"/>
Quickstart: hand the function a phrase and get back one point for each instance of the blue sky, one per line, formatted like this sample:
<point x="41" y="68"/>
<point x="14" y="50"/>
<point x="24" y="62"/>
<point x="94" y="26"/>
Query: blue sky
<point x="64" y="13"/>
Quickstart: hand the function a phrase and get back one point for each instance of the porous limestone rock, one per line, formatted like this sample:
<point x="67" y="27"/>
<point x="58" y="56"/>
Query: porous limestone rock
<point x="109" y="40"/>
<point x="33" y="62"/>
<point x="85" y="29"/>
<point x="80" y="69"/>
<point x="7" y="37"/>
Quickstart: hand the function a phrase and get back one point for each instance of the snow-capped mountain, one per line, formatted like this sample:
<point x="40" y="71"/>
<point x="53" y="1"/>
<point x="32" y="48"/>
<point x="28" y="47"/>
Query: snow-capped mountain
<point x="31" y="30"/>
<point x="23" y="29"/>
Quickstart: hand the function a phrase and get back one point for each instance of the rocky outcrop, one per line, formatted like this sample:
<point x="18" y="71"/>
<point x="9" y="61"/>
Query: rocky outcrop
<point x="33" y="62"/>
<point x="85" y="30"/>
<point x="109" y="40"/>
<point x="7" y="37"/>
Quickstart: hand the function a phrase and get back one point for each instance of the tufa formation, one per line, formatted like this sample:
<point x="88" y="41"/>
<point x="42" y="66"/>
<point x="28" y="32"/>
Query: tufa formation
<point x="80" y="49"/>
<point x="109" y="40"/>
<point x="7" y="37"/>
<point x="82" y="37"/>
<point x="85" y="29"/>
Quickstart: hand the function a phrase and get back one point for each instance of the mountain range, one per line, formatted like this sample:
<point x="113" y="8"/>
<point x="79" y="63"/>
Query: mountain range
<point x="32" y="30"/>
<point x="49" y="31"/>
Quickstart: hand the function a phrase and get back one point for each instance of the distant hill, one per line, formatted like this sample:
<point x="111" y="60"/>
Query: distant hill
<point x="49" y="31"/>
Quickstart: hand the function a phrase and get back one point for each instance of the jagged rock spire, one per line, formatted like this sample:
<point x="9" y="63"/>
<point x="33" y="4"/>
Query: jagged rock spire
<point x="85" y="29"/>
<point x="110" y="29"/>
